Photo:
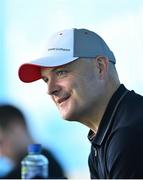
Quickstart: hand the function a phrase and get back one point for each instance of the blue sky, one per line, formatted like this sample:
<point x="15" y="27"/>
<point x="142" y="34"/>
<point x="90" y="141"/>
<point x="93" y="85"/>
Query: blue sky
<point x="27" y="24"/>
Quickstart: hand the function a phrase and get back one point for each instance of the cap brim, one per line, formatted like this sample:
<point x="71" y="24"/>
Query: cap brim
<point x="30" y="72"/>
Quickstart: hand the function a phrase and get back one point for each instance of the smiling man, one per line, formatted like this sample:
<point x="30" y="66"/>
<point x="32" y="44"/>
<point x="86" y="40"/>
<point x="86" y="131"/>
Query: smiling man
<point x="81" y="77"/>
<point x="68" y="86"/>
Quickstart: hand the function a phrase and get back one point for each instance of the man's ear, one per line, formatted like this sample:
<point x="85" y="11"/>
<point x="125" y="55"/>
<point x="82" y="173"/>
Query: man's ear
<point x="102" y="64"/>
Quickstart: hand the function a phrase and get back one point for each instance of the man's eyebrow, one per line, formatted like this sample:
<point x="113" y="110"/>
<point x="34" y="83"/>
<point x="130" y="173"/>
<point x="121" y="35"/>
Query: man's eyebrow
<point x="58" y="67"/>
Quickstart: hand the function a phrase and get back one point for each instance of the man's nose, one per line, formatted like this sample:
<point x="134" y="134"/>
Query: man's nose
<point x="53" y="87"/>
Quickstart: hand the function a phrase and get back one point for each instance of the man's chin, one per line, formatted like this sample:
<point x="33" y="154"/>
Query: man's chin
<point x="70" y="120"/>
<point x="67" y="117"/>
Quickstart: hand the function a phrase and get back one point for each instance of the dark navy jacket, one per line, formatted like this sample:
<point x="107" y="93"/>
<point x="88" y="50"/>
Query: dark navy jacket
<point x="117" y="147"/>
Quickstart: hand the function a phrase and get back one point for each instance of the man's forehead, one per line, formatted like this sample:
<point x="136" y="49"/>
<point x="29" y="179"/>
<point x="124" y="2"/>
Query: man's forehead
<point x="49" y="69"/>
<point x="52" y="69"/>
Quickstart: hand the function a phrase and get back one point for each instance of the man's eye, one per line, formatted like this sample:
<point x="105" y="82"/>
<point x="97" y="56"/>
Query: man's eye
<point x="61" y="73"/>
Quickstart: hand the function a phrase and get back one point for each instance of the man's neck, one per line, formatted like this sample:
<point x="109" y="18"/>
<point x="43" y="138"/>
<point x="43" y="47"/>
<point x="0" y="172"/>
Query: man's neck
<point x="94" y="120"/>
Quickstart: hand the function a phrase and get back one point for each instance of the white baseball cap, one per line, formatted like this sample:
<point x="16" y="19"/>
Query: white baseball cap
<point x="64" y="47"/>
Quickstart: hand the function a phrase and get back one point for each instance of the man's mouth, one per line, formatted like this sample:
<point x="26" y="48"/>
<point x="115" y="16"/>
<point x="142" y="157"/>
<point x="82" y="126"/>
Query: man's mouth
<point x="61" y="100"/>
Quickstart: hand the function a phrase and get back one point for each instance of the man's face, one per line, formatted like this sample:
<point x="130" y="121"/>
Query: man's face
<point x="74" y="88"/>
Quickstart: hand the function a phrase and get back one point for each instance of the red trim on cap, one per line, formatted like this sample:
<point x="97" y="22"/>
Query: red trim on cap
<point x="29" y="72"/>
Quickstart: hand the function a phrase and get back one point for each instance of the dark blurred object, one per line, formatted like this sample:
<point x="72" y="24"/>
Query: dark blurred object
<point x="14" y="139"/>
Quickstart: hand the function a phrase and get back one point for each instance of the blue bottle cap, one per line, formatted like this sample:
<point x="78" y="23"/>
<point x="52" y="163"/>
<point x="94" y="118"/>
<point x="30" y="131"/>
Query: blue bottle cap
<point x="34" y="148"/>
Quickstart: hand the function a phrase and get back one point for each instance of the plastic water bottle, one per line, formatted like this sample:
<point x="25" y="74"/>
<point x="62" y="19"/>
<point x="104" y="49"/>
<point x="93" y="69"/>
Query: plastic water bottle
<point x="34" y="165"/>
